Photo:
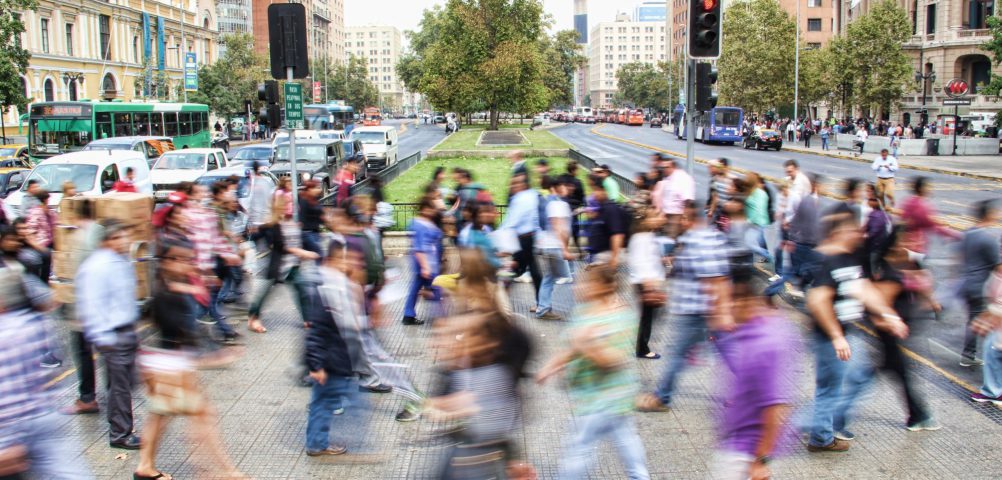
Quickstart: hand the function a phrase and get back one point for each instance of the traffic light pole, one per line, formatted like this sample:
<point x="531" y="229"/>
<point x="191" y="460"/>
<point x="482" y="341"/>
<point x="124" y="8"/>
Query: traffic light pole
<point x="292" y="160"/>
<point x="690" y="123"/>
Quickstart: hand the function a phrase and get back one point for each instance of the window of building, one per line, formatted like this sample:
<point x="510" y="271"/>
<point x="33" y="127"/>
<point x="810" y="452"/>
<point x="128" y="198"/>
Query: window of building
<point x="73" y="90"/>
<point x="104" y="27"/>
<point x="49" y="90"/>
<point x="813" y="24"/>
<point x="813" y="45"/>
<point x="914" y="13"/>
<point x="69" y="39"/>
<point x="135" y="49"/>
<point x="930" y="19"/>
<point x="45" y="35"/>
<point x="813" y="3"/>
<point x="976" y="13"/>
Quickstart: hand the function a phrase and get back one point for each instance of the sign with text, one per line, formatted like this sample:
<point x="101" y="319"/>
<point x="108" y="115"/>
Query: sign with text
<point x="190" y="72"/>
<point x="316" y="92"/>
<point x="293" y="105"/>
<point x="953" y="102"/>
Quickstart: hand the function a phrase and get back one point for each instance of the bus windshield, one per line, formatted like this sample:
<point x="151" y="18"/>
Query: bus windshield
<point x="51" y="177"/>
<point x="58" y="135"/>
<point x="726" y="118"/>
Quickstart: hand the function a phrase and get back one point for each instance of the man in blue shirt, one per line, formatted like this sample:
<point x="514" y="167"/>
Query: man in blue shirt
<point x="427" y="256"/>
<point x="106" y="305"/>
<point x="523" y="218"/>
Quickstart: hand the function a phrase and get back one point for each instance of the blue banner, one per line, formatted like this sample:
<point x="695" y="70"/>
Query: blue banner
<point x="147" y="53"/>
<point x="161" y="44"/>
<point x="190" y="72"/>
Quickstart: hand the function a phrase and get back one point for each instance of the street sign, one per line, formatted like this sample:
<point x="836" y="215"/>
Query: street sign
<point x="952" y="102"/>
<point x="956" y="88"/>
<point x="190" y="72"/>
<point x="316" y="92"/>
<point x="293" y="105"/>
<point x="287" y="40"/>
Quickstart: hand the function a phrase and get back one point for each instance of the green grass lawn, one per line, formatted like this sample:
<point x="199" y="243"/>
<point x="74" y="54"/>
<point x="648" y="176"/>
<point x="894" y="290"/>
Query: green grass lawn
<point x="467" y="140"/>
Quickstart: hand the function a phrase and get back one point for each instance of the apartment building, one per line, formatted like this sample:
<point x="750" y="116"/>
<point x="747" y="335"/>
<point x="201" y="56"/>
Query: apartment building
<point x="324" y="20"/>
<point x="381" y="46"/>
<point x="614" y="44"/>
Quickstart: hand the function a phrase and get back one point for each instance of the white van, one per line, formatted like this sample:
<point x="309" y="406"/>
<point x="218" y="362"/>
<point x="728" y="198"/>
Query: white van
<point x="92" y="172"/>
<point x="379" y="144"/>
<point x="184" y="166"/>
<point x="282" y="136"/>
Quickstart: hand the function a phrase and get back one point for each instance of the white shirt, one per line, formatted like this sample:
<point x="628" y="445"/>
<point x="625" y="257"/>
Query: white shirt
<point x="862" y="134"/>
<point x="555" y="209"/>
<point x="885" y="167"/>
<point x="801" y="185"/>
<point x="644" y="257"/>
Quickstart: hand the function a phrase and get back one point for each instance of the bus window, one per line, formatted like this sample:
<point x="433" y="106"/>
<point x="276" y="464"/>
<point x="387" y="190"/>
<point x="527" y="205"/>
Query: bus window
<point x="104" y="125"/>
<point x="170" y="124"/>
<point x="123" y="124"/>
<point x="205" y="121"/>
<point x="157" y="124"/>
<point x="185" y="121"/>
<point x="141" y="123"/>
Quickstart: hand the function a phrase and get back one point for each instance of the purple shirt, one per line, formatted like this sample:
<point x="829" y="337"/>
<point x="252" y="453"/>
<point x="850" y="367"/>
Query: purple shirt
<point x="760" y="355"/>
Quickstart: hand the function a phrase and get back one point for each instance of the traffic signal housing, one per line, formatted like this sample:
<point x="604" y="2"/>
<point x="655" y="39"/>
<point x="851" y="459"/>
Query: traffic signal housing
<point x="704" y="29"/>
<point x="267" y="92"/>
<point x="706" y="77"/>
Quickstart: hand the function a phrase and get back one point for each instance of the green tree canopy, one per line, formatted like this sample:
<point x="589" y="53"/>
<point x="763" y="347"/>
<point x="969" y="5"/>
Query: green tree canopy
<point x="234" y="78"/>
<point x="643" y="85"/>
<point x="563" y="57"/>
<point x="757" y="59"/>
<point x="13" y="56"/>
<point x="875" y="63"/>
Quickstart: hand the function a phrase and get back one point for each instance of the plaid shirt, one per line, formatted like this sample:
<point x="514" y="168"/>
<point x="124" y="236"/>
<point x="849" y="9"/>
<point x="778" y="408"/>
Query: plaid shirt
<point x="41" y="221"/>
<point x="701" y="254"/>
<point x="204" y="234"/>
<point x="22" y="381"/>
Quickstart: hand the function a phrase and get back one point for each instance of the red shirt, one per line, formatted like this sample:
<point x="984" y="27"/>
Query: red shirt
<point x="344" y="181"/>
<point x="124" y="186"/>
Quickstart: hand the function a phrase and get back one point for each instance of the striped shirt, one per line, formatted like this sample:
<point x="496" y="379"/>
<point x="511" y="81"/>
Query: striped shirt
<point x="203" y="232"/>
<point x="22" y="381"/>
<point x="701" y="254"/>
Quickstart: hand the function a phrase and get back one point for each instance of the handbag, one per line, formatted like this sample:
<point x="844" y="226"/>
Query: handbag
<point x="171" y="382"/>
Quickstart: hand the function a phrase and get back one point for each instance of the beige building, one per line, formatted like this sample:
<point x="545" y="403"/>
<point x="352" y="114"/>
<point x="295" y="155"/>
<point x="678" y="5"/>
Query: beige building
<point x="381" y="46"/>
<point x="945" y="42"/>
<point x="614" y="44"/>
<point x="95" y="49"/>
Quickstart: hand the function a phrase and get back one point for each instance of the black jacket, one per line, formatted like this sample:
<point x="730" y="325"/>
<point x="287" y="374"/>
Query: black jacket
<point x="325" y="349"/>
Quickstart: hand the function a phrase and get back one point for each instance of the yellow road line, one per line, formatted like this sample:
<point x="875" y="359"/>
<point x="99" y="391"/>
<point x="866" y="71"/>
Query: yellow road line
<point x="924" y="361"/>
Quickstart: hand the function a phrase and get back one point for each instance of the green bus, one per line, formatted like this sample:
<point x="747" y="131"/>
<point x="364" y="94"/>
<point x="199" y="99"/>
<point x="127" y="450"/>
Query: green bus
<point x="60" y="127"/>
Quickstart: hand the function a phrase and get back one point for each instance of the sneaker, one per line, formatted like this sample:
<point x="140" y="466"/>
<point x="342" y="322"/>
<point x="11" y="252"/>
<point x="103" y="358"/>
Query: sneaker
<point x="971" y="362"/>
<point x="982" y="398"/>
<point x="329" y="451"/>
<point x="549" y="315"/>
<point x="836" y="446"/>
<point x="231" y="338"/>
<point x="80" y="408"/>
<point x="775" y="278"/>
<point x="412" y="321"/>
<point x="845" y="435"/>
<point x="524" y="278"/>
<point x="564" y="281"/>
<point x="206" y="321"/>
<point x="50" y="361"/>
<point x="339" y="411"/>
<point x="929" y="424"/>
<point x="408" y="414"/>
<point x="377" y="388"/>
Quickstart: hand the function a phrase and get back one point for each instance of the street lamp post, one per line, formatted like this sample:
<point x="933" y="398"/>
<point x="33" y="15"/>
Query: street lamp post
<point x="71" y="78"/>
<point x="926" y="79"/>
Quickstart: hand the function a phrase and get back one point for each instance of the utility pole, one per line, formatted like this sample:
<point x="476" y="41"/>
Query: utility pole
<point x="796" y="66"/>
<point x="184" y="47"/>
<point x="690" y="123"/>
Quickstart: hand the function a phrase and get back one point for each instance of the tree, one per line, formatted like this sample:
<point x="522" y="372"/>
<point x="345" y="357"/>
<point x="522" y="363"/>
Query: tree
<point x="563" y="58"/>
<point x="994" y="47"/>
<point x="350" y="82"/>
<point x="876" y="65"/>
<point x="482" y="54"/>
<point x="233" y="79"/>
<point x="757" y="59"/>
<point x="13" y="56"/>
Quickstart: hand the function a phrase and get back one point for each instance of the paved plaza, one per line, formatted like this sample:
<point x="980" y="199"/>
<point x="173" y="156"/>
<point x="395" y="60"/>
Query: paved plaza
<point x="263" y="417"/>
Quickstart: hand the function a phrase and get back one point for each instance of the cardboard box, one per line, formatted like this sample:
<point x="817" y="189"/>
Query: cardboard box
<point x="64" y="265"/>
<point x="131" y="208"/>
<point x="142" y="232"/>
<point x="63" y="292"/>
<point x="143" y="270"/>
<point x="70" y="207"/>
<point x="64" y="236"/>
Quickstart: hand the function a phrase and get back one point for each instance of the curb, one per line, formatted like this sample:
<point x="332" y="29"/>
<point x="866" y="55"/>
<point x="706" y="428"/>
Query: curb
<point x="942" y="171"/>
<point x="704" y="161"/>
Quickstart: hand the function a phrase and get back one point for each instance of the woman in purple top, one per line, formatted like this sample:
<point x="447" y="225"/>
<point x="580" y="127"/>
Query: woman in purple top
<point x="426" y="256"/>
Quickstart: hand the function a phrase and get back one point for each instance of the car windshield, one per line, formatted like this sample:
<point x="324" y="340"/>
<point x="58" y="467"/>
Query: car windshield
<point x="308" y="153"/>
<point x="370" y="138"/>
<point x="769" y="133"/>
<point x="253" y="154"/>
<point x="51" y="177"/>
<point x="7" y="152"/>
<point x="108" y="146"/>
<point x="181" y="161"/>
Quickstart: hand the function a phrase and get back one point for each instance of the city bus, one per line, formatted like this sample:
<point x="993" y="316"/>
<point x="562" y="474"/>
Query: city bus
<point x="371" y="117"/>
<point x="584" y="114"/>
<point x="634" y="117"/>
<point x="329" y="116"/>
<point x="60" y="127"/>
<point x="718" y="125"/>
<point x="622" y="116"/>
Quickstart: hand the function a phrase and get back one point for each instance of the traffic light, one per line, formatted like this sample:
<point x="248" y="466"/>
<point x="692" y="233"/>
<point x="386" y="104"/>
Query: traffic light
<point x="267" y="92"/>
<point x="704" y="29"/>
<point x="706" y="76"/>
<point x="270" y="115"/>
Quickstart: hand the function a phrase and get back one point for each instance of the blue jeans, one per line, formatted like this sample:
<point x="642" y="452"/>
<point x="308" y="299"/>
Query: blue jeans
<point x="591" y="429"/>
<point x="755" y="240"/>
<point x="554" y="268"/>
<point x="324" y="399"/>
<point x="992" y="383"/>
<point x="213" y="311"/>
<point x="824" y="143"/>
<point x="838" y="385"/>
<point x="418" y="282"/>
<point x="803" y="260"/>
<point x="51" y="452"/>
<point x="691" y="331"/>
<point x="311" y="242"/>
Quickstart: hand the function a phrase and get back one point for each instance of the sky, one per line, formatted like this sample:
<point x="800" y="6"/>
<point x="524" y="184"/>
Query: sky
<point x="405" y="14"/>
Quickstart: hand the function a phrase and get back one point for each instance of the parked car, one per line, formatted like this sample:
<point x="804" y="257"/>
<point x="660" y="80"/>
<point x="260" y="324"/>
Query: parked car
<point x="316" y="159"/>
<point x="379" y="144"/>
<point x="184" y="166"/>
<point x="247" y="180"/>
<point x="14" y="155"/>
<point x="354" y="148"/>
<point x="260" y="152"/>
<point x="655" y="122"/>
<point x="763" y="139"/>
<point x="439" y="119"/>
<point x="11" y="179"/>
<point x="151" y="147"/>
<point x="91" y="172"/>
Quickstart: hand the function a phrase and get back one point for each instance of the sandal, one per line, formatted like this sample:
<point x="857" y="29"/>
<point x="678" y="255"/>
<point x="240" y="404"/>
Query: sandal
<point x="255" y="326"/>
<point x="158" y="476"/>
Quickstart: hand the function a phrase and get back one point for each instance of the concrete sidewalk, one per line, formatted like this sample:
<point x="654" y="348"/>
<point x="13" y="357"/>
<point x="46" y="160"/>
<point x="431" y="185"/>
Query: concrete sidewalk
<point x="984" y="167"/>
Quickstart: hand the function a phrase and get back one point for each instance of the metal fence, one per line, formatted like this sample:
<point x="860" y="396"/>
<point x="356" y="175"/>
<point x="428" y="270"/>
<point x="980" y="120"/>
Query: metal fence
<point x="404" y="213"/>
<point x="386" y="175"/>
<point x="626" y="186"/>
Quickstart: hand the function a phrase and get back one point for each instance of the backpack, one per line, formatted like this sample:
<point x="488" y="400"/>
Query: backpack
<point x="544" y="222"/>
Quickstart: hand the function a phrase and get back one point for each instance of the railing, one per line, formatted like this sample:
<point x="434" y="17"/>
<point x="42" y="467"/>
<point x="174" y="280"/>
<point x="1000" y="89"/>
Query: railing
<point x="404" y="213"/>
<point x="626" y="185"/>
<point x="387" y="175"/>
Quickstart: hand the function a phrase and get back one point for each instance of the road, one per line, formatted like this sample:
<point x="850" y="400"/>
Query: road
<point x="936" y="341"/>
<point x="412" y="140"/>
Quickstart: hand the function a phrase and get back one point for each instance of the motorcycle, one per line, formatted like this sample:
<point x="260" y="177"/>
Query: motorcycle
<point x="220" y="140"/>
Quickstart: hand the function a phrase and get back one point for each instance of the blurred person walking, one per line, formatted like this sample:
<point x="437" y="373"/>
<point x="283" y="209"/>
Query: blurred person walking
<point x="979" y="248"/>
<point x="426" y="258"/>
<point x="671" y="194"/>
<point x="601" y="378"/>
<point x="523" y="217"/>
<point x="647" y="274"/>
<point x="552" y="245"/>
<point x="989" y="324"/>
<point x="918" y="215"/>
<point x="885" y="166"/>
<point x="106" y="305"/>
<point x="607" y="226"/>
